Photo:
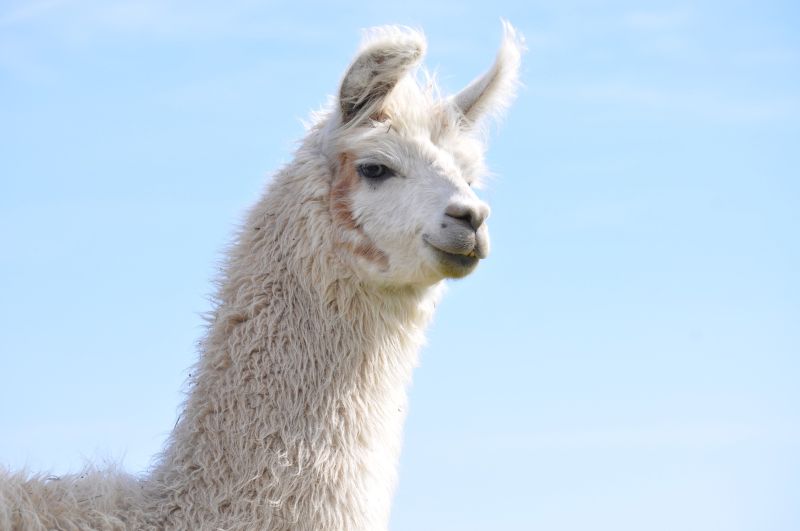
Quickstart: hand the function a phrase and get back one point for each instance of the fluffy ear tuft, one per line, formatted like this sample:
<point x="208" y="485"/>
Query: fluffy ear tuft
<point x="386" y="55"/>
<point x="493" y="92"/>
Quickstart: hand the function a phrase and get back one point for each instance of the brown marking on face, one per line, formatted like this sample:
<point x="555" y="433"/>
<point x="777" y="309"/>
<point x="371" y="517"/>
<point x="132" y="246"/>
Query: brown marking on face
<point x="369" y="252"/>
<point x="344" y="182"/>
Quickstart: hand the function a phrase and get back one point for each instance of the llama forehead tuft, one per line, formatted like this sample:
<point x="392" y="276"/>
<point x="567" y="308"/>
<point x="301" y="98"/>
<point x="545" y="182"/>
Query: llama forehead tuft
<point x="386" y="85"/>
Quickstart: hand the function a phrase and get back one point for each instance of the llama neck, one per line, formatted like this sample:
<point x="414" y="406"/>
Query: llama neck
<point x="295" y="415"/>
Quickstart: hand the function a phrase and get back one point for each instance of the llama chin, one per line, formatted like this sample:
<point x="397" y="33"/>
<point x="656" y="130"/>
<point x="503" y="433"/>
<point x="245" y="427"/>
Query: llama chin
<point x="296" y="406"/>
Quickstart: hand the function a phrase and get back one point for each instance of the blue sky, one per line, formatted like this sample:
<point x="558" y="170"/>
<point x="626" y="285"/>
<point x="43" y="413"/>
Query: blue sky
<point x="629" y="356"/>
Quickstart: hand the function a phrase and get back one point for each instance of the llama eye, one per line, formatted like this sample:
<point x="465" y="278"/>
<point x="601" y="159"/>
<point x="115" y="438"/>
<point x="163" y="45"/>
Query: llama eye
<point x="374" y="171"/>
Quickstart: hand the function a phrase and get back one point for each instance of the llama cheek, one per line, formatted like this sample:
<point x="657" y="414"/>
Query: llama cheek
<point x="344" y="184"/>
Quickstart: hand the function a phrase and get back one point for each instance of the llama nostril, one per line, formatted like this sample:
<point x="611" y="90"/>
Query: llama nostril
<point x="474" y="215"/>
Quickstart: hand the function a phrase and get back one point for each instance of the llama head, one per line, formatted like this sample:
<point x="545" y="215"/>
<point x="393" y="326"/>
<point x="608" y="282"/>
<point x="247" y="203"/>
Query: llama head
<point x="405" y="162"/>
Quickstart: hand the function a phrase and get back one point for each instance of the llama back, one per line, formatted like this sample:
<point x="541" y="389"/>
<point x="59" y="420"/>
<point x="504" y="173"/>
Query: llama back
<point x="93" y="500"/>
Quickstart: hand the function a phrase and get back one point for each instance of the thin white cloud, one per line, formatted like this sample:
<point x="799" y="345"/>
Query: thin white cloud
<point x="706" y="435"/>
<point x="91" y="18"/>
<point x="657" y="20"/>
<point x="28" y="11"/>
<point x="768" y="57"/>
<point x="620" y="92"/>
<point x="29" y="31"/>
<point x="677" y="103"/>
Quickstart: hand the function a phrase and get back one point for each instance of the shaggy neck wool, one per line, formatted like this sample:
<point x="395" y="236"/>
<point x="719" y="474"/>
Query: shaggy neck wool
<point x="297" y="404"/>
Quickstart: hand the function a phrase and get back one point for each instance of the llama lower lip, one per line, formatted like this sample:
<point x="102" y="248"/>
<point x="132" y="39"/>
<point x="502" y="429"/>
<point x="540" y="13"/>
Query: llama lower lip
<point x="455" y="265"/>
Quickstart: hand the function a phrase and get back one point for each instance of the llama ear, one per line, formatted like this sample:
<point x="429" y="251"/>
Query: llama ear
<point x="493" y="92"/>
<point x="387" y="54"/>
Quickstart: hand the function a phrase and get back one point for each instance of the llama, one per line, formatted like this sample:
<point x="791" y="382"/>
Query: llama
<point x="295" y="408"/>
